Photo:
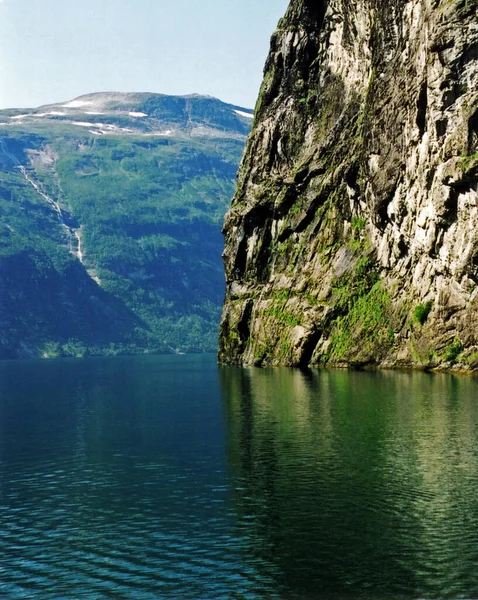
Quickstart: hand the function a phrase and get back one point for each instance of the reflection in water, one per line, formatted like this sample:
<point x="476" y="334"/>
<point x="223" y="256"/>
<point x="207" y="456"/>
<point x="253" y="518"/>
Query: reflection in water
<point x="356" y="484"/>
<point x="166" y="477"/>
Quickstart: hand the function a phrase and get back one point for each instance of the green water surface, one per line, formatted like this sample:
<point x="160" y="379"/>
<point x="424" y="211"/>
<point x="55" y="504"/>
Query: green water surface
<point x="169" y="477"/>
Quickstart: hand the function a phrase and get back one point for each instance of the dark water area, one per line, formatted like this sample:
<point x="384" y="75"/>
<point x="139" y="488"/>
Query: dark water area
<point x="168" y="477"/>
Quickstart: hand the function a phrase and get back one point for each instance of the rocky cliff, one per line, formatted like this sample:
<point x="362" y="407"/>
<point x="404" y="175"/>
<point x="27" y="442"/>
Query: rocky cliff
<point x="353" y="236"/>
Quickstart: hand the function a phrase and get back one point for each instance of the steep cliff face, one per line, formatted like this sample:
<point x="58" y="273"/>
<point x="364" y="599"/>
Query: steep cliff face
<point x="353" y="236"/>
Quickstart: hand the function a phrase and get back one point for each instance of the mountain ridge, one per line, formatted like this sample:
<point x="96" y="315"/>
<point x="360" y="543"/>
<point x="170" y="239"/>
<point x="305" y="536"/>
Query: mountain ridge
<point x="139" y="114"/>
<point x="110" y="223"/>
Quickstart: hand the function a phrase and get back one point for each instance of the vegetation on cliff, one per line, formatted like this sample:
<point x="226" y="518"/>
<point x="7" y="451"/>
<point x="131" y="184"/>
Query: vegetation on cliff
<point x="357" y="193"/>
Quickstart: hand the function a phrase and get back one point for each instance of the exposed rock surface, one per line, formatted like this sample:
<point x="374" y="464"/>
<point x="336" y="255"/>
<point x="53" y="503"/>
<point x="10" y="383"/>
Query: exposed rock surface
<point x="353" y="236"/>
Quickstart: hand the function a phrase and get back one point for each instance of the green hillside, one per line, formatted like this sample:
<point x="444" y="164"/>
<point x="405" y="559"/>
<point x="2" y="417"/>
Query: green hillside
<point x="110" y="223"/>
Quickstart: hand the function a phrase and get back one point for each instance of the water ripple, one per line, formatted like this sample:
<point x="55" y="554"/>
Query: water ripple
<point x="235" y="484"/>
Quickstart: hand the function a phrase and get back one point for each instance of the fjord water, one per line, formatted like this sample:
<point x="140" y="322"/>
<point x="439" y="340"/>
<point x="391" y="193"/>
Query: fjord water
<point x="168" y="477"/>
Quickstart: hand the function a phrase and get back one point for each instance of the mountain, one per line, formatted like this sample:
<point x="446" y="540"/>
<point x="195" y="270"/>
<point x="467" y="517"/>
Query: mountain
<point x="110" y="223"/>
<point x="353" y="236"/>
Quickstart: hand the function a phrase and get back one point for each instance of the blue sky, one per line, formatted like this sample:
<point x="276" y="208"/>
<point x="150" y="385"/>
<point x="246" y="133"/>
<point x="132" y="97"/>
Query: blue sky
<point x="54" y="50"/>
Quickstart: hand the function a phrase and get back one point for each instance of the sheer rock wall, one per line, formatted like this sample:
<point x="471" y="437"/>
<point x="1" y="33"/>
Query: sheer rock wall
<point x="353" y="236"/>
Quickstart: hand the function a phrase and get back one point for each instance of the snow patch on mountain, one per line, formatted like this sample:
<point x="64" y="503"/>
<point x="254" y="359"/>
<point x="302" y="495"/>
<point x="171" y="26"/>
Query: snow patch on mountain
<point x="244" y="114"/>
<point x="77" y="104"/>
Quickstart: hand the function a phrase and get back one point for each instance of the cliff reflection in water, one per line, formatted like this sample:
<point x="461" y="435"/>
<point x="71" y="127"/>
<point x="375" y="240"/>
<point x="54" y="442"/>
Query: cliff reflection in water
<point x="355" y="484"/>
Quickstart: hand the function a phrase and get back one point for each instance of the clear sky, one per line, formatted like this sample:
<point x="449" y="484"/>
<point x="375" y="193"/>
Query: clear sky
<point x="54" y="50"/>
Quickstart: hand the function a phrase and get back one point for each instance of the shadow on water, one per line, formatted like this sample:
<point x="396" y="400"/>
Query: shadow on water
<point x="355" y="485"/>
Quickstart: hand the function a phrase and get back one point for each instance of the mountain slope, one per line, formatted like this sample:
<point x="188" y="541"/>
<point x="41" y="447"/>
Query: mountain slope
<point x="110" y="212"/>
<point x="352" y="239"/>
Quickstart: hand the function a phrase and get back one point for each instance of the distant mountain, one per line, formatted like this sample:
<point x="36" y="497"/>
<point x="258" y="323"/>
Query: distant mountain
<point x="111" y="208"/>
<point x="140" y="114"/>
